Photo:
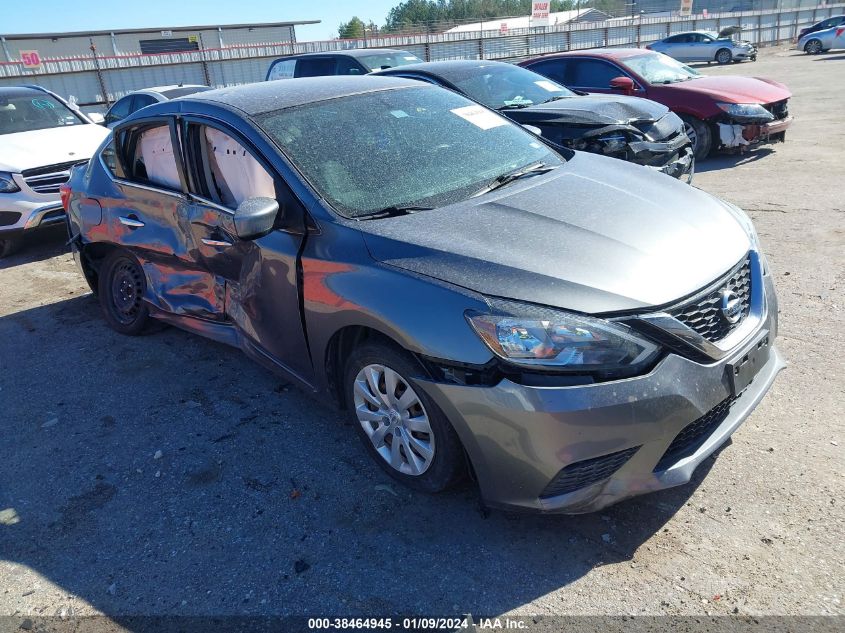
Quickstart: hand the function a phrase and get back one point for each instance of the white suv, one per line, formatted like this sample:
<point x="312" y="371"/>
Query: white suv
<point x="41" y="138"/>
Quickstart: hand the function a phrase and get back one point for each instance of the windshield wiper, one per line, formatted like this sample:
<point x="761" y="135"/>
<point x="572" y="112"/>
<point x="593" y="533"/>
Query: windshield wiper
<point x="516" y="174"/>
<point x="393" y="211"/>
<point x="557" y="98"/>
<point x="516" y="106"/>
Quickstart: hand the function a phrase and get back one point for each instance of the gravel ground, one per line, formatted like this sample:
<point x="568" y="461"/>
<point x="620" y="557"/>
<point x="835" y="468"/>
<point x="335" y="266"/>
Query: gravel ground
<point x="170" y="475"/>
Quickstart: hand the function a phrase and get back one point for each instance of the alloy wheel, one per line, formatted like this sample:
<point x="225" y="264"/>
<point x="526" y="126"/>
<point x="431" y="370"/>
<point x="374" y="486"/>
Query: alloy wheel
<point x="394" y="418"/>
<point x="691" y="134"/>
<point x="813" y="47"/>
<point x="723" y="56"/>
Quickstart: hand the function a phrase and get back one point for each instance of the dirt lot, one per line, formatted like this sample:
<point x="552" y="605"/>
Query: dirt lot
<point x="170" y="475"/>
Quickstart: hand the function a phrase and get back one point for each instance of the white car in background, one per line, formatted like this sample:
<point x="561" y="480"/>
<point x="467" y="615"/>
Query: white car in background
<point x="41" y="137"/>
<point x="134" y="101"/>
<point x="706" y="46"/>
<point x="822" y="41"/>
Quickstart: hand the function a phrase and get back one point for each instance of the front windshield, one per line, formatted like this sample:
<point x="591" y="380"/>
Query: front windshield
<point x="420" y="146"/>
<point x="34" y="111"/>
<point x="657" y="68"/>
<point x="380" y="61"/>
<point x="506" y="86"/>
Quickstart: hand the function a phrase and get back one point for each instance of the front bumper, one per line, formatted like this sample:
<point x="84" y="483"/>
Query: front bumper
<point x="519" y="438"/>
<point x="674" y="158"/>
<point x="26" y="209"/>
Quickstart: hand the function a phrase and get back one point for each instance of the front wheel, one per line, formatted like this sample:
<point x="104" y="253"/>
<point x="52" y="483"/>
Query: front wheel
<point x="121" y="293"/>
<point x="813" y="47"/>
<point x="403" y="430"/>
<point x="723" y="56"/>
<point x="9" y="246"/>
<point x="699" y="134"/>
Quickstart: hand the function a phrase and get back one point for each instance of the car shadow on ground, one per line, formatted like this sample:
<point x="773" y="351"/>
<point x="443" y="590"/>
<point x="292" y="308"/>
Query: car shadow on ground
<point x="829" y="58"/>
<point x="167" y="474"/>
<point x="726" y="160"/>
<point x="38" y="246"/>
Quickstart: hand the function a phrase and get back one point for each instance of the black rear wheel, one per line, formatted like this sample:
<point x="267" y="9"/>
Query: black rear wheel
<point x="121" y="292"/>
<point x="9" y="246"/>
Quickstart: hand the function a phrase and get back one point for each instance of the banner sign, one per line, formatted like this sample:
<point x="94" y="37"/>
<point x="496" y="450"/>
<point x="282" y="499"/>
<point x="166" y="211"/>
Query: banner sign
<point x="540" y="13"/>
<point x="686" y="8"/>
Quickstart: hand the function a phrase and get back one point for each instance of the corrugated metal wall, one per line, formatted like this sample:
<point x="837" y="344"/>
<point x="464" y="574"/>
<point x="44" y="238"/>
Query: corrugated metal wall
<point x="71" y="70"/>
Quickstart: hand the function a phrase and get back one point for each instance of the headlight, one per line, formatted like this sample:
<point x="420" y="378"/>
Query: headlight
<point x="746" y="110"/>
<point x="7" y="183"/>
<point x="534" y="337"/>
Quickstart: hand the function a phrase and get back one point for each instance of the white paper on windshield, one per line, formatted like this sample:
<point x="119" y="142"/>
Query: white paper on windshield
<point x="547" y="85"/>
<point x="410" y="59"/>
<point x="399" y="114"/>
<point x="480" y="117"/>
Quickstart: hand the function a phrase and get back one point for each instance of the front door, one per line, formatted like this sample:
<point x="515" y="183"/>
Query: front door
<point x="258" y="278"/>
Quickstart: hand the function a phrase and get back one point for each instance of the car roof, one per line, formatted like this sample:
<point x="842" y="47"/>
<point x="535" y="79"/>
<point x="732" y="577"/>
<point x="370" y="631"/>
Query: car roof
<point x="352" y="52"/>
<point x="607" y="53"/>
<point x="442" y="68"/>
<point x="16" y="91"/>
<point x="163" y="89"/>
<point x="696" y="32"/>
<point x="267" y="96"/>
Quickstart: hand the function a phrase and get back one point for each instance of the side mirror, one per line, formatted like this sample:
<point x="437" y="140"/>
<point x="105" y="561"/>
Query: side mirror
<point x="255" y="217"/>
<point x="623" y="84"/>
<point x="97" y="118"/>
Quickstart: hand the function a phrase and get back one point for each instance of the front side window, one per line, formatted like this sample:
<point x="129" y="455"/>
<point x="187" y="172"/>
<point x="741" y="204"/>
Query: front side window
<point x="507" y="86"/>
<point x="25" y="112"/>
<point x="420" y="146"/>
<point x="229" y="174"/>
<point x="380" y="61"/>
<point x="149" y="156"/>
<point x="657" y="68"/>
<point x="593" y="73"/>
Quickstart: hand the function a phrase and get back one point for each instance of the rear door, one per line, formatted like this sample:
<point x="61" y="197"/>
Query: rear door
<point x="149" y="216"/>
<point x="258" y="278"/>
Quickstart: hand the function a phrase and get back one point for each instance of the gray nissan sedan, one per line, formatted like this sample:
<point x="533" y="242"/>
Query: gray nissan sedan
<point x="569" y="329"/>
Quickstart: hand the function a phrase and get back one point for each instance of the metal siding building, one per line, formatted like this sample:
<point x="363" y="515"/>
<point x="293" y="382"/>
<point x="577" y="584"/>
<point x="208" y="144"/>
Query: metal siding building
<point x="98" y="67"/>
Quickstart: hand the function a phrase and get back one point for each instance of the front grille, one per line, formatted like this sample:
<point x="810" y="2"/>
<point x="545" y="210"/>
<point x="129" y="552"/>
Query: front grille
<point x="691" y="438"/>
<point x="704" y="314"/>
<point x="48" y="179"/>
<point x="779" y="109"/>
<point x="584" y="473"/>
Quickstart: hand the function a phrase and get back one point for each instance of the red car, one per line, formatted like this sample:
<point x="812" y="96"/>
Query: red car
<point x="718" y="112"/>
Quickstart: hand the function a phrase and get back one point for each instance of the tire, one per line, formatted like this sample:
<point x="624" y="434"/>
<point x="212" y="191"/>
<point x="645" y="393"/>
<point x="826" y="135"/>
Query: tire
<point x="436" y="460"/>
<point x="121" y="290"/>
<point x="700" y="134"/>
<point x="9" y="246"/>
<point x="813" y="47"/>
<point x="723" y="56"/>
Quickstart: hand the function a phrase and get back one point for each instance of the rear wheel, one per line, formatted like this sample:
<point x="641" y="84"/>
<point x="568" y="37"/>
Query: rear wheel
<point x="121" y="293"/>
<point x="723" y="56"/>
<point x="9" y="246"/>
<point x="700" y="134"/>
<point x="813" y="47"/>
<point x="404" y="431"/>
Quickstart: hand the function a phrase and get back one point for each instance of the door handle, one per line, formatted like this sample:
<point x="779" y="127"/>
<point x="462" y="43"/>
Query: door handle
<point x="131" y="222"/>
<point x="218" y="243"/>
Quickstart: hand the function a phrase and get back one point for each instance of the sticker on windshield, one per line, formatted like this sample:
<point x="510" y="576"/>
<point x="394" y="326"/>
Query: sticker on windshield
<point x="519" y="100"/>
<point x="399" y="114"/>
<point x="547" y="85"/>
<point x="410" y="58"/>
<point x="480" y="116"/>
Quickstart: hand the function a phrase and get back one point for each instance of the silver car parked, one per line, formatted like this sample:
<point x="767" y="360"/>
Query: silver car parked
<point x="822" y="41"/>
<point x="706" y="46"/>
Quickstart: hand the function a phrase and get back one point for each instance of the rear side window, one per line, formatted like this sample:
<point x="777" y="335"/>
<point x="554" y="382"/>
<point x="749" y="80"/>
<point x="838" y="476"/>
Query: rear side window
<point x="119" y="110"/>
<point x="593" y="73"/>
<point x="282" y="69"/>
<point x="553" y="69"/>
<point x="142" y="101"/>
<point x="149" y="157"/>
<point x="109" y="158"/>
<point x="319" y="67"/>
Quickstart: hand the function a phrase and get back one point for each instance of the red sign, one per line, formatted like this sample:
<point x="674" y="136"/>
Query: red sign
<point x="30" y="59"/>
<point x="503" y="28"/>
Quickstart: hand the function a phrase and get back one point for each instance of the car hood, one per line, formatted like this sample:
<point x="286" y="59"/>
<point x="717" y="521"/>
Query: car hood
<point x="38" y="148"/>
<point x="597" y="235"/>
<point x="737" y="89"/>
<point x="595" y="110"/>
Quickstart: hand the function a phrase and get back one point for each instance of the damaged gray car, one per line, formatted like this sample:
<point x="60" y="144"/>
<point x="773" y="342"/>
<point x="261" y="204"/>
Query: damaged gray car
<point x="511" y="313"/>
<point x="619" y="126"/>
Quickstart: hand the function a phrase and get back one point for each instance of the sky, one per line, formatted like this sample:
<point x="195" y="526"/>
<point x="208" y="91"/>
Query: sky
<point x="95" y="15"/>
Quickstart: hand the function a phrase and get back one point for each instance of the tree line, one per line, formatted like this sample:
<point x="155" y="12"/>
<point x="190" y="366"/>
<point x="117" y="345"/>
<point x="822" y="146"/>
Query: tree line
<point x="437" y="15"/>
